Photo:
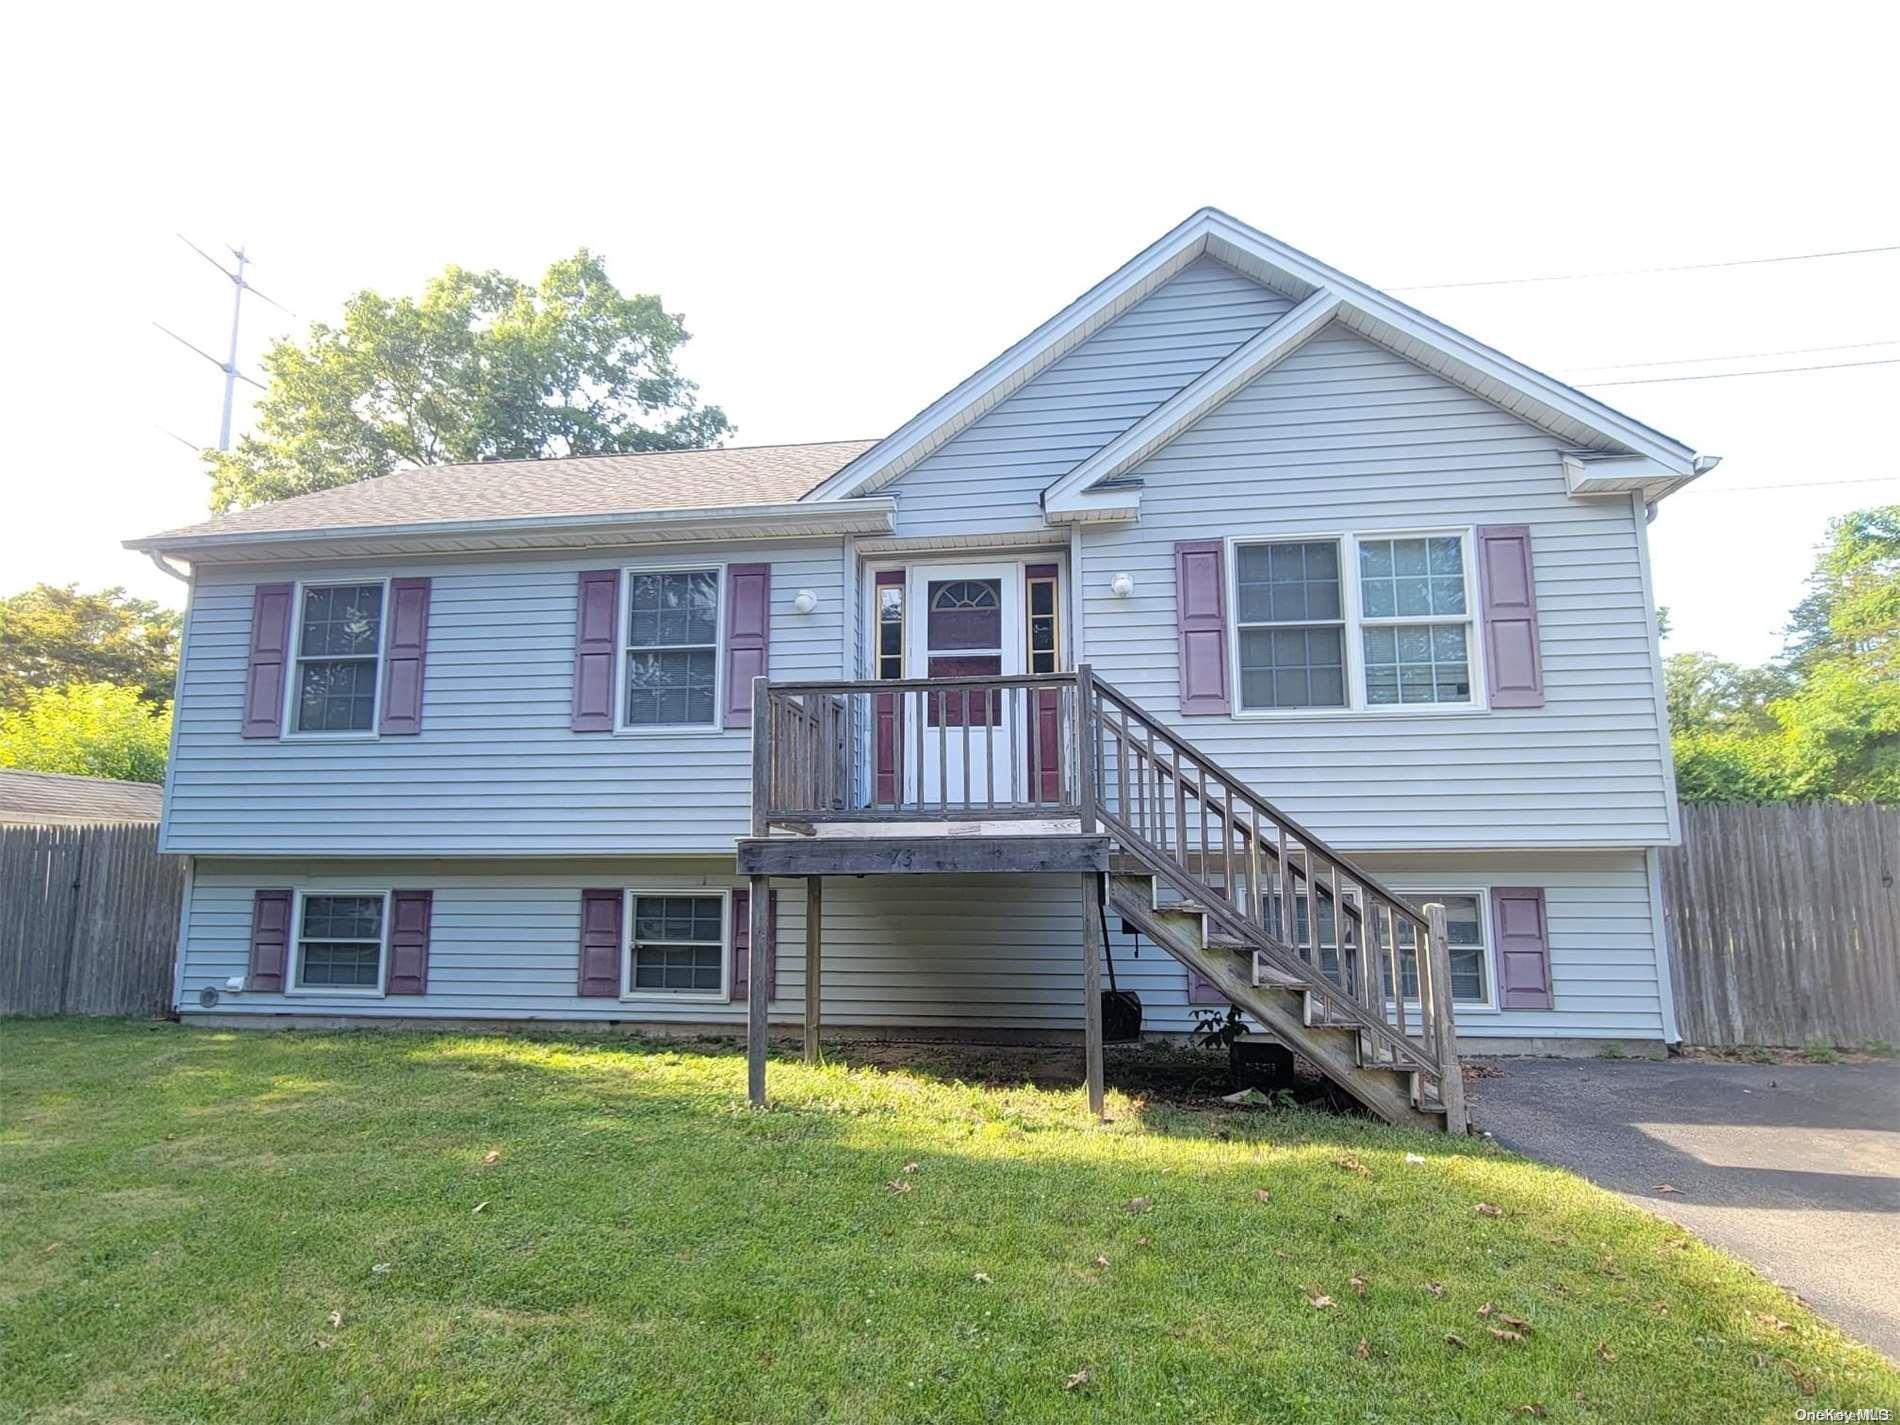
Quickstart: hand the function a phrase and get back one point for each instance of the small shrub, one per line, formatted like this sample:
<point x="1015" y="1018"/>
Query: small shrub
<point x="1819" y="1051"/>
<point x="1612" y="1049"/>
<point x="1879" y="1048"/>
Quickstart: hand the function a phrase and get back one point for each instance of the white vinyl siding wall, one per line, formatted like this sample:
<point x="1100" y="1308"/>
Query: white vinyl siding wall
<point x="990" y="478"/>
<point x="496" y="768"/>
<point x="946" y="952"/>
<point x="1346" y="437"/>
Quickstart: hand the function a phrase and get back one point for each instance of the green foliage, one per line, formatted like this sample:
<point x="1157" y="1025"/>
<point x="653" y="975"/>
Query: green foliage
<point x="89" y="730"/>
<point x="1827" y="723"/>
<point x="483" y="366"/>
<point x="50" y="637"/>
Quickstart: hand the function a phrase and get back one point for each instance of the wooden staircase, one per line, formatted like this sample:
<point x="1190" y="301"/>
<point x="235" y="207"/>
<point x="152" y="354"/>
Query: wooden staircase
<point x="1317" y="951"/>
<point x="1063" y="772"/>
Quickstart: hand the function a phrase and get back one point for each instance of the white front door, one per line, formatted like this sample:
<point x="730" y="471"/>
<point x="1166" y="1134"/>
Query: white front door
<point x="968" y="624"/>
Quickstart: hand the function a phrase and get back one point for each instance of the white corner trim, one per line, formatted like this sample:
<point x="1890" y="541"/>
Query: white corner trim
<point x="1665" y="956"/>
<point x="1201" y="395"/>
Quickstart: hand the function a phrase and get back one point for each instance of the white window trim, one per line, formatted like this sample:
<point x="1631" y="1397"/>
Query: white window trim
<point x="1354" y="625"/>
<point x="291" y="686"/>
<point x="1418" y="892"/>
<point x="623" y="626"/>
<point x="658" y="997"/>
<point x="381" y="988"/>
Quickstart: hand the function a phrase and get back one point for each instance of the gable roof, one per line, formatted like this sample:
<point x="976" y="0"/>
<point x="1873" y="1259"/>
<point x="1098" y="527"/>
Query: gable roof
<point x="57" y="799"/>
<point x="1655" y="462"/>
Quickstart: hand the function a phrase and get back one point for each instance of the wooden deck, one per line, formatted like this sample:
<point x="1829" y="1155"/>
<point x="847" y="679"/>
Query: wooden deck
<point x="1061" y="774"/>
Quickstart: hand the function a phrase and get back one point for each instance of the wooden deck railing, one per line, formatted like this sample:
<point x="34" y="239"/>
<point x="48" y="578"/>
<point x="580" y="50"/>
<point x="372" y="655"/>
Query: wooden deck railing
<point x="1069" y="747"/>
<point x="914" y="749"/>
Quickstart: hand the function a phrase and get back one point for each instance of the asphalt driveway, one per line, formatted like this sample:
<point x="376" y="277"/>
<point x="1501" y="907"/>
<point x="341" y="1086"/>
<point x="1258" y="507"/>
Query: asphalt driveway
<point x="1794" y="1169"/>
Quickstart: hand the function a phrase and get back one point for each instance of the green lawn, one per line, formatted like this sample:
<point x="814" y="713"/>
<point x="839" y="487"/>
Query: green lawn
<point x="406" y="1227"/>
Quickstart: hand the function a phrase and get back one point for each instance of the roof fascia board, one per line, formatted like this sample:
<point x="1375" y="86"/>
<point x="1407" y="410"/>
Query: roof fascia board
<point x="869" y="516"/>
<point x="1048" y="343"/>
<point x="1201" y="395"/>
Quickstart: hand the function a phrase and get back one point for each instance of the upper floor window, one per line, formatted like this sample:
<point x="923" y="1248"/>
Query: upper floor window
<point x="339" y="649"/>
<point x="1292" y="625"/>
<point x="672" y="648"/>
<point x="1415" y="620"/>
<point x="1353" y="622"/>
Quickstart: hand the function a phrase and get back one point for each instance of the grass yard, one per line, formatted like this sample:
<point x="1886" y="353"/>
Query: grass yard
<point x="212" y="1226"/>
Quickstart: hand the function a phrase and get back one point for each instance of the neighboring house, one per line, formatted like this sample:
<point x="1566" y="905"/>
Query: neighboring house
<point x="478" y="741"/>
<point x="56" y="799"/>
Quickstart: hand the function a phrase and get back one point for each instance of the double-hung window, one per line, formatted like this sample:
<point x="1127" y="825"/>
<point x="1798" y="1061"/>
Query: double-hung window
<point x="672" y="648"/>
<point x="340" y="942"/>
<point x="1415" y="619"/>
<point x="678" y="944"/>
<point x="1464" y="940"/>
<point x="339" y="650"/>
<point x="1354" y="622"/>
<point x="1292" y="625"/>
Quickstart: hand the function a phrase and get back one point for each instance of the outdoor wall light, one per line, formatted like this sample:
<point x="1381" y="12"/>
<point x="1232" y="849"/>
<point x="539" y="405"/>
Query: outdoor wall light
<point x="1122" y="585"/>
<point x="806" y="601"/>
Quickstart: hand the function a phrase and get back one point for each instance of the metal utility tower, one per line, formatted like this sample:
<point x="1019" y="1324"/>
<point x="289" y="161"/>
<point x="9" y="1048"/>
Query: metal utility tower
<point x="229" y="365"/>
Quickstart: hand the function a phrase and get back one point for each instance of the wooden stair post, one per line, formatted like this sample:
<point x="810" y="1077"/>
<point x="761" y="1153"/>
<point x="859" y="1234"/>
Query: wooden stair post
<point x="1092" y="938"/>
<point x="758" y="992"/>
<point x="1451" y="1082"/>
<point x="814" y="935"/>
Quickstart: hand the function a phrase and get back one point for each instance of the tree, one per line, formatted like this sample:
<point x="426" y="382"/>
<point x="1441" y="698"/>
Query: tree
<point x="90" y="730"/>
<point x="52" y="636"/>
<point x="1707" y="694"/>
<point x="1826" y="721"/>
<point x="483" y="366"/>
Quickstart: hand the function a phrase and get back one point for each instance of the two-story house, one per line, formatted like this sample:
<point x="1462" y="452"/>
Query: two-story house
<point x="1221" y="624"/>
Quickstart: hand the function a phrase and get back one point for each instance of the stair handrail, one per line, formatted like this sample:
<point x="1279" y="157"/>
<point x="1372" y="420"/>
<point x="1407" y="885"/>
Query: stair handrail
<point x="1440" y="1058"/>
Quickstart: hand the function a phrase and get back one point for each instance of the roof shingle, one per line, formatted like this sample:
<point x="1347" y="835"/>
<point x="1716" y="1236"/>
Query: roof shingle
<point x="575" y="485"/>
<point x="57" y="799"/>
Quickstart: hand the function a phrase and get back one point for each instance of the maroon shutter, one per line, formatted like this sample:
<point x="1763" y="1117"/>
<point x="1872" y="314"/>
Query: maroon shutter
<point x="600" y="943"/>
<point x="1201" y="611"/>
<point x="404" y="652"/>
<point x="1513" y="672"/>
<point x="409" y="915"/>
<point x="1523" y="934"/>
<point x="270" y="941"/>
<point x="596" y="629"/>
<point x="742" y="944"/>
<point x="270" y="651"/>
<point x="748" y="636"/>
<point x="887" y="709"/>
<point x="1202" y="990"/>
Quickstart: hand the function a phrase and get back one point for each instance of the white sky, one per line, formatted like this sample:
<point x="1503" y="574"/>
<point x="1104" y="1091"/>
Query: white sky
<point x="854" y="208"/>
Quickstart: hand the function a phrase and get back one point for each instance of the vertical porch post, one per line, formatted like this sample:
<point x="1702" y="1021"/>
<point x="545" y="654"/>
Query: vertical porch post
<point x="1092" y="935"/>
<point x="757" y="993"/>
<point x="1451" y="1080"/>
<point x="814" y="934"/>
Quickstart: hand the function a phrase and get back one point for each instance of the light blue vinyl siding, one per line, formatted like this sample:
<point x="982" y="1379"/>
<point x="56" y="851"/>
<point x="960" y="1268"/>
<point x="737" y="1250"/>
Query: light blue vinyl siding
<point x="990" y="478"/>
<point x="496" y="768"/>
<point x="1345" y="436"/>
<point x="945" y="952"/>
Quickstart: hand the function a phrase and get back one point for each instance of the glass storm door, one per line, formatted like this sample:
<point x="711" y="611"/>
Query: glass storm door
<point x="968" y="623"/>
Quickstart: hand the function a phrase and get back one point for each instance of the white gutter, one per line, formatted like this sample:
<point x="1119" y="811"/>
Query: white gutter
<point x="864" y="516"/>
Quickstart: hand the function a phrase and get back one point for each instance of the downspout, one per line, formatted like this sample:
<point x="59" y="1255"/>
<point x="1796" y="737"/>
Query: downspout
<point x="159" y="562"/>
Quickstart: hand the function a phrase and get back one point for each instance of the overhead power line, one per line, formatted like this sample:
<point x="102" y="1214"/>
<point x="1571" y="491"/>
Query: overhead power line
<point x="1645" y="271"/>
<point x="1740" y="356"/>
<point x="1730" y="375"/>
<point x="1795" y="485"/>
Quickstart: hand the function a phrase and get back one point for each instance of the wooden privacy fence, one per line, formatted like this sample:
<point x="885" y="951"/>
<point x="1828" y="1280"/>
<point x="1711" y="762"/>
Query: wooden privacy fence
<point x="88" y="919"/>
<point x="1784" y="923"/>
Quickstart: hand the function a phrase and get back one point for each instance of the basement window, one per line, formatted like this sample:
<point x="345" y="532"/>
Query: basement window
<point x="678" y="945"/>
<point x="340" y="942"/>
